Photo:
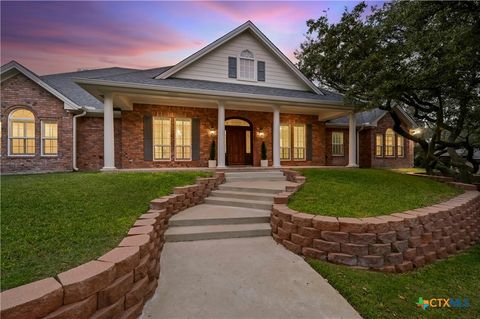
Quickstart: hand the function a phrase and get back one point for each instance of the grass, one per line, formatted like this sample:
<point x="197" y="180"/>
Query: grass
<point x="366" y="192"/>
<point x="379" y="295"/>
<point x="53" y="222"/>
<point x="410" y="170"/>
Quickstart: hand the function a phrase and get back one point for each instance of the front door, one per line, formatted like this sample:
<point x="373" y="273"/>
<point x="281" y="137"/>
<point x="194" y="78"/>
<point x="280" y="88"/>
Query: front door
<point x="236" y="145"/>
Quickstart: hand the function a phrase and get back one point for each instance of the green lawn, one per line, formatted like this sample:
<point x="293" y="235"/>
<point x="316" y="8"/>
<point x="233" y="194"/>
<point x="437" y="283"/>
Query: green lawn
<point x="53" y="222"/>
<point x="379" y="295"/>
<point x="365" y="192"/>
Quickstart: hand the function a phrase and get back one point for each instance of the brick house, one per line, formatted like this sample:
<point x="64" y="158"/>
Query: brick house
<point x="238" y="91"/>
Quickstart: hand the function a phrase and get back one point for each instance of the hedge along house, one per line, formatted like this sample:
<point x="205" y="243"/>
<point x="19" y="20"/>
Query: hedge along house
<point x="239" y="91"/>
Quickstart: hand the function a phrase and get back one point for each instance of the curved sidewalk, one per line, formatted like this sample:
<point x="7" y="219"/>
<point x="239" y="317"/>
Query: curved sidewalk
<point x="241" y="278"/>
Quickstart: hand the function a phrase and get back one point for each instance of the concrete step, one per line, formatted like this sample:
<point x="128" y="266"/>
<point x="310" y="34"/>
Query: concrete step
<point x="235" y="202"/>
<point x="255" y="178"/>
<point x="190" y="233"/>
<point x="252" y="189"/>
<point x="205" y="214"/>
<point x="243" y="195"/>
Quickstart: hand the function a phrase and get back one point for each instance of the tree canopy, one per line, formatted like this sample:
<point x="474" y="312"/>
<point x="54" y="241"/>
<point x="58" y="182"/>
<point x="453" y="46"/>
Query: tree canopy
<point x="421" y="56"/>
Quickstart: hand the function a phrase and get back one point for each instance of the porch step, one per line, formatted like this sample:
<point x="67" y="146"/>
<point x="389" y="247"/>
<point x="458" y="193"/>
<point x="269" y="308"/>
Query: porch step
<point x="267" y="197"/>
<point x="190" y="233"/>
<point x="255" y="176"/>
<point x="235" y="202"/>
<point x="205" y="214"/>
<point x="243" y="189"/>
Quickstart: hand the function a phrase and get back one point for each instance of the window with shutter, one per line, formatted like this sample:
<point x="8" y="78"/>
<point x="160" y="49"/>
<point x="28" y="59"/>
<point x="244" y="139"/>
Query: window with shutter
<point x="261" y="71"/>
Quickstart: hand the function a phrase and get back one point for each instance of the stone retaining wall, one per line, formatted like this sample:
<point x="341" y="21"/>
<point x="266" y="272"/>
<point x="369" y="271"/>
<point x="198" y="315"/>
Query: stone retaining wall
<point x="117" y="284"/>
<point x="392" y="243"/>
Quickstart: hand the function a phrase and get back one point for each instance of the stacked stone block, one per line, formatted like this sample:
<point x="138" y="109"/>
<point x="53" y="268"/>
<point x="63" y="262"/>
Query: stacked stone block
<point x="393" y="243"/>
<point x="117" y="284"/>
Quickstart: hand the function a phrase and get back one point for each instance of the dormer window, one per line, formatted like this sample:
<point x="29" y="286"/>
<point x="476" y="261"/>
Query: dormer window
<point x="247" y="65"/>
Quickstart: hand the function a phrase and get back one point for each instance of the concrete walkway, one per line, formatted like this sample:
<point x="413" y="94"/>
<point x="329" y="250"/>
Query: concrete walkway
<point x="241" y="278"/>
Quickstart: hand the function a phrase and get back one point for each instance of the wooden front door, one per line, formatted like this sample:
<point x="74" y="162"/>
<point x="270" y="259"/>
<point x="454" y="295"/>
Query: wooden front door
<point x="236" y="145"/>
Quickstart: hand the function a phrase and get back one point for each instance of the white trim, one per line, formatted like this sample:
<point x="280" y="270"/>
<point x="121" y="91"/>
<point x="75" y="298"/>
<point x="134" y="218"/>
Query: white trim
<point x="7" y="71"/>
<point x="153" y="140"/>
<point x="42" y="137"/>
<point x="9" y="133"/>
<point x="175" y="159"/>
<point x="215" y="44"/>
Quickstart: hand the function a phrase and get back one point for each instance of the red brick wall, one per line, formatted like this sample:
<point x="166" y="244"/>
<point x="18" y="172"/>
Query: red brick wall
<point x="336" y="160"/>
<point x="394" y="162"/>
<point x="132" y="134"/>
<point x="90" y="143"/>
<point x="21" y="92"/>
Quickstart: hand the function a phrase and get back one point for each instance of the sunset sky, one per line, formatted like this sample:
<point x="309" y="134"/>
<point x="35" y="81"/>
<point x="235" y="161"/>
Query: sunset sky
<point x="52" y="37"/>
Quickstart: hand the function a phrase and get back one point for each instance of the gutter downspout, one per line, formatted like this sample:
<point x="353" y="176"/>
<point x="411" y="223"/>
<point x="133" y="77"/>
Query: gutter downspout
<point x="74" y="136"/>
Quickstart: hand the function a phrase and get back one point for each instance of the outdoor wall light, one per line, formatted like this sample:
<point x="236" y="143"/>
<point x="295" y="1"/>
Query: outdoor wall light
<point x="211" y="132"/>
<point x="261" y="133"/>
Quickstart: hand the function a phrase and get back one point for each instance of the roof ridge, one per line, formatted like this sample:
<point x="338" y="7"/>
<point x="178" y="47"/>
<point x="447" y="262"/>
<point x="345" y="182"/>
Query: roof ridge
<point x="90" y="70"/>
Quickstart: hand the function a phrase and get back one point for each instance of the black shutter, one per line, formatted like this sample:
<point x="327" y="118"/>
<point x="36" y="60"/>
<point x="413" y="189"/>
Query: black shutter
<point x="232" y="67"/>
<point x="261" y="71"/>
<point x="309" y="142"/>
<point x="147" y="138"/>
<point x="195" y="139"/>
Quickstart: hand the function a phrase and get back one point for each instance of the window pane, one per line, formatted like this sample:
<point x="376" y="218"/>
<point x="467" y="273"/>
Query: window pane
<point x="50" y="130"/>
<point x="284" y="142"/>
<point x="183" y="139"/>
<point x="400" y="145"/>
<point x="18" y="146"/>
<point x="389" y="142"/>
<point x="299" y="141"/>
<point x="22" y="114"/>
<point x="248" y="145"/>
<point x="161" y="138"/>
<point x="17" y="129"/>
<point x="337" y="143"/>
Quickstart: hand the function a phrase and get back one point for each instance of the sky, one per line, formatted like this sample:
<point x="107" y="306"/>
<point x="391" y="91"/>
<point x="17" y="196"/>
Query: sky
<point x="51" y="37"/>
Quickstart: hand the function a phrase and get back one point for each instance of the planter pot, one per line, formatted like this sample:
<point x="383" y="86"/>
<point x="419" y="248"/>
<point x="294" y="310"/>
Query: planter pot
<point x="264" y="163"/>
<point x="212" y="163"/>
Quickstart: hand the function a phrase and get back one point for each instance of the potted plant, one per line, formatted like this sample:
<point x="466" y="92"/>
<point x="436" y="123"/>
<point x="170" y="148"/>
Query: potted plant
<point x="264" y="161"/>
<point x="212" y="163"/>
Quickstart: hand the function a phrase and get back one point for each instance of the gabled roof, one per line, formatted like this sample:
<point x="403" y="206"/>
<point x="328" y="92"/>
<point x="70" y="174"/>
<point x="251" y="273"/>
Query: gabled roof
<point x="13" y="68"/>
<point x="247" y="26"/>
<point x="145" y="79"/>
<point x="371" y="118"/>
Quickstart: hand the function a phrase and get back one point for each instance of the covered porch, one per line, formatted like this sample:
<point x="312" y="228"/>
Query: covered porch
<point x="238" y="123"/>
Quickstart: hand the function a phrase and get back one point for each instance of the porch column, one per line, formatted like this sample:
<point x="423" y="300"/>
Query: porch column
<point x="352" y="141"/>
<point x="221" y="135"/>
<point x="108" y="136"/>
<point x="276" y="136"/>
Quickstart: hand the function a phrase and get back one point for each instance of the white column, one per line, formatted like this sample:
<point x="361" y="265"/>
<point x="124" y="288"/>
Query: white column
<point x="221" y="135"/>
<point x="352" y="141"/>
<point x="276" y="136"/>
<point x="108" y="137"/>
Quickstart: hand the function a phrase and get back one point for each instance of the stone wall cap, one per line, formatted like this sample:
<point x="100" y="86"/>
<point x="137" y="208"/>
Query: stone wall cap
<point x="136" y="240"/>
<point x="140" y="230"/>
<point x="119" y="254"/>
<point x="84" y="271"/>
<point x="144" y="222"/>
<point x="28" y="293"/>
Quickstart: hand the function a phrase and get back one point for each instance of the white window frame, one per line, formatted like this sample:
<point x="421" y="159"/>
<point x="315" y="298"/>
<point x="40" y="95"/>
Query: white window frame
<point x="381" y="145"/>
<point x="239" y="58"/>
<point x="289" y="143"/>
<point x="9" y="137"/>
<point x="294" y="148"/>
<point x="161" y="145"/>
<point x="387" y="134"/>
<point x="43" y="138"/>
<point x="175" y="148"/>
<point x="341" y="145"/>
<point x="400" y="146"/>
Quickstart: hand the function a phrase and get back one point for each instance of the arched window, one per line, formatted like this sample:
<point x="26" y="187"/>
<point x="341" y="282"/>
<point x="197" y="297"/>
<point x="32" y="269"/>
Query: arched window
<point x="247" y="65"/>
<point x="389" y="142"/>
<point x="21" y="134"/>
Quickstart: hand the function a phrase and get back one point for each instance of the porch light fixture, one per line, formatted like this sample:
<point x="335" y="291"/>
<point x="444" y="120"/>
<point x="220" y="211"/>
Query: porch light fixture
<point x="211" y="132"/>
<point x="261" y="133"/>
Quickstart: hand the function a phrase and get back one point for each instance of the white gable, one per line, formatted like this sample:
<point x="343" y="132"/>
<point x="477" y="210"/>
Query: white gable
<point x="213" y="66"/>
